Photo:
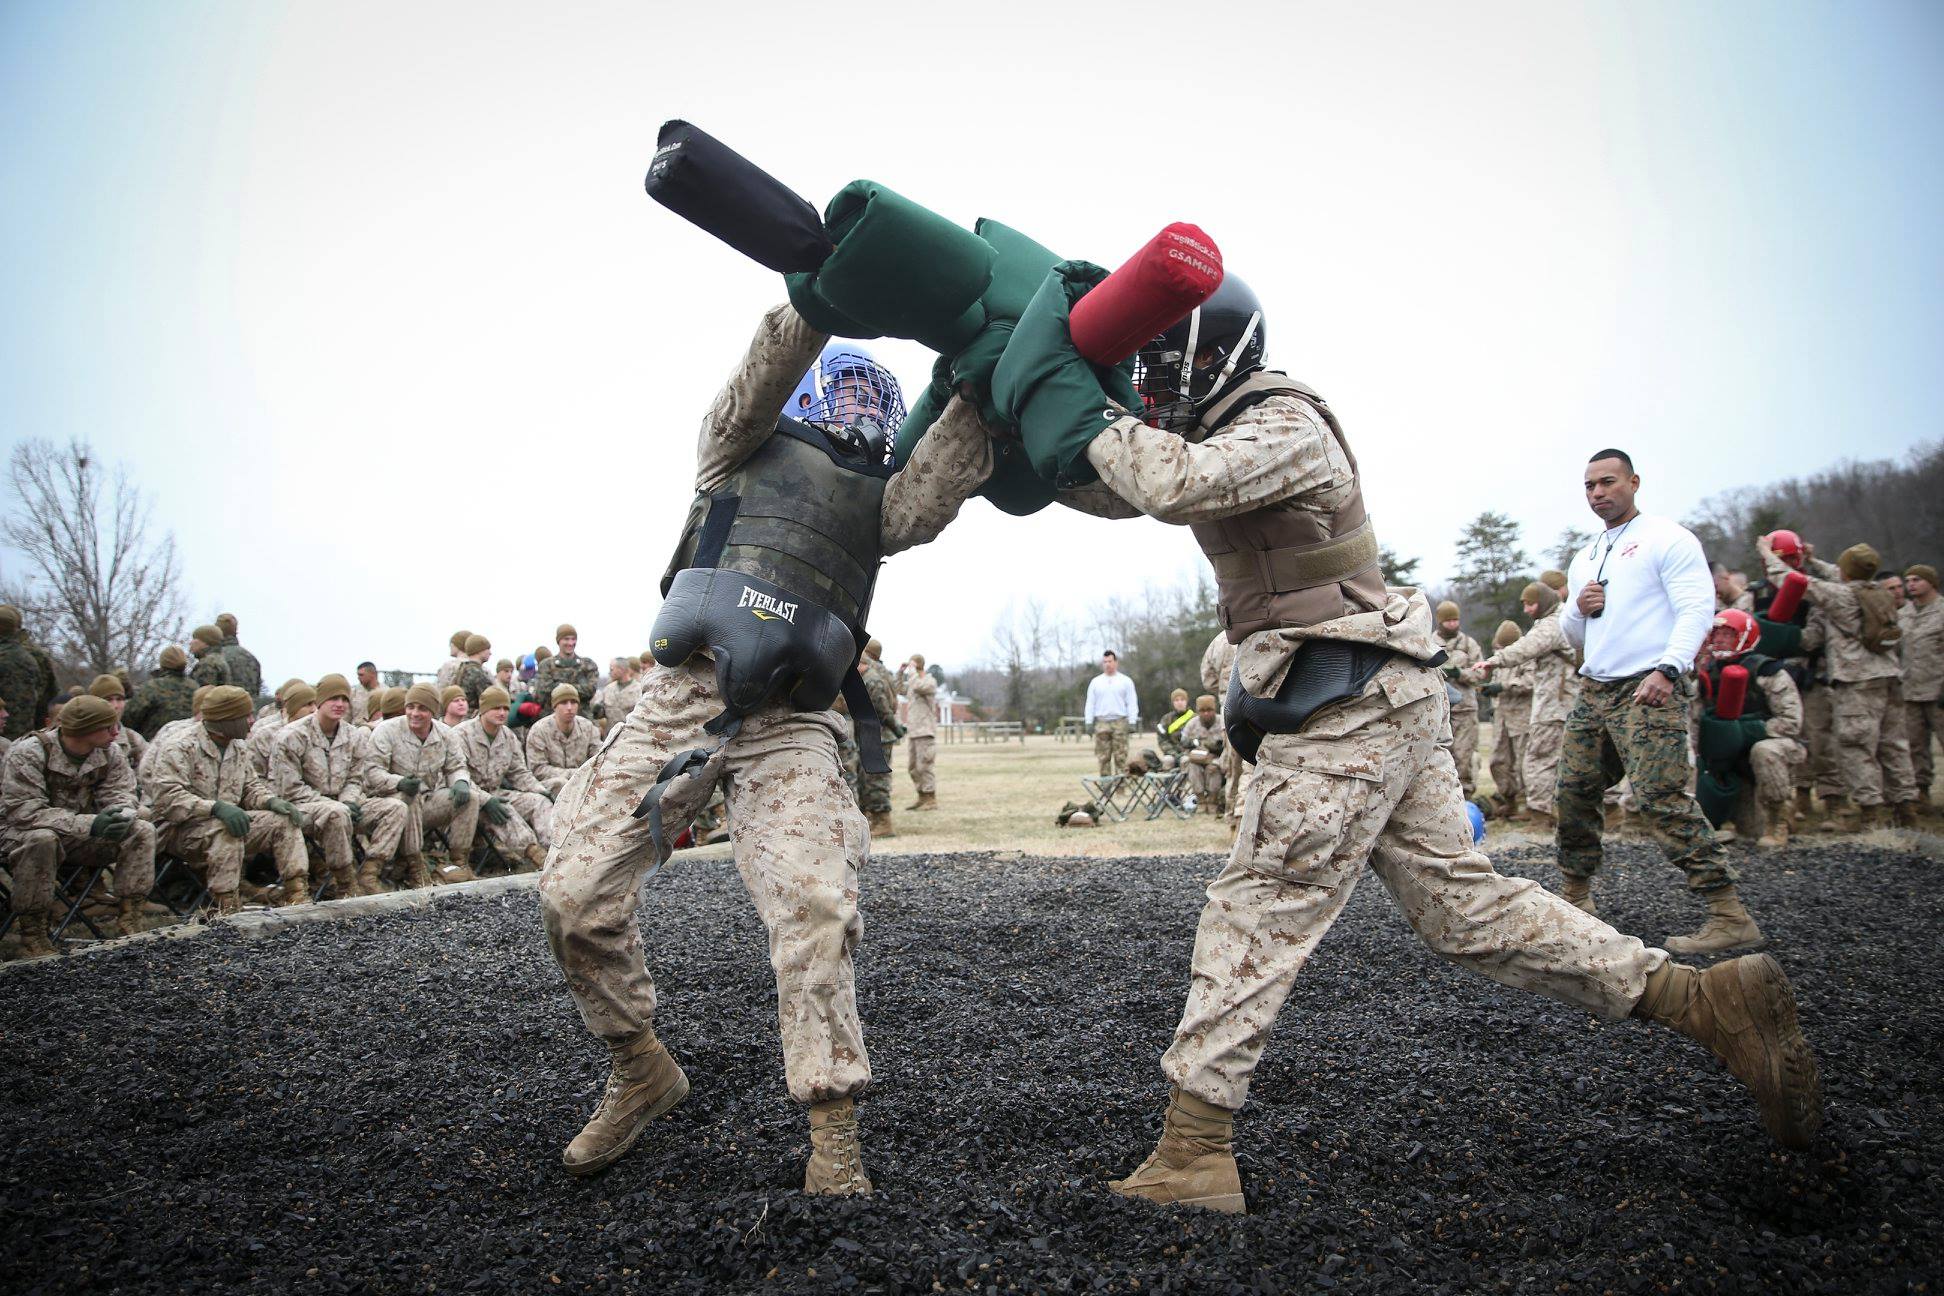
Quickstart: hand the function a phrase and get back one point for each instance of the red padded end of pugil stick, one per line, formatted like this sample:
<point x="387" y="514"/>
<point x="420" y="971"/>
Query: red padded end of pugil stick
<point x="1788" y="595"/>
<point x="1732" y="696"/>
<point x="1174" y="272"/>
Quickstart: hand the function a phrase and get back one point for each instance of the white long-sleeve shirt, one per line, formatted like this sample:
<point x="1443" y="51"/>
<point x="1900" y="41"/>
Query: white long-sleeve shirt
<point x="1112" y="695"/>
<point x="1659" y="599"/>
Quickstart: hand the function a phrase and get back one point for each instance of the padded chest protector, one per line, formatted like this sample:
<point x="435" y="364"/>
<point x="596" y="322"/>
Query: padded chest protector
<point x="774" y="576"/>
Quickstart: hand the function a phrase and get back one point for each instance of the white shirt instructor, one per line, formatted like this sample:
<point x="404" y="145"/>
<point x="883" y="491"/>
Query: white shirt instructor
<point x="1646" y="593"/>
<point x="1111" y="694"/>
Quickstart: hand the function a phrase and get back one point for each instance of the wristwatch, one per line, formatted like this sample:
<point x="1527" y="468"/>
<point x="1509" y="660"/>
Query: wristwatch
<point x="1673" y="673"/>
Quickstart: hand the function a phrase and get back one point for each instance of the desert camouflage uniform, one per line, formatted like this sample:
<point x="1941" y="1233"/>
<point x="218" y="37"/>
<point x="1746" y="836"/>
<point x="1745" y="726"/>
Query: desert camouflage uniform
<point x="324" y="777"/>
<point x="448" y="672"/>
<point x="921" y="731"/>
<point x="617" y="699"/>
<point x="210" y="670"/>
<point x="797" y="836"/>
<point x="1461" y="654"/>
<point x="1922" y="650"/>
<point x="133" y="746"/>
<point x="360" y="705"/>
<point x="1872" y="739"/>
<point x="499" y="769"/>
<point x="48" y="801"/>
<point x="874" y="790"/>
<point x="553" y="756"/>
<point x="262" y="742"/>
<point x="244" y="670"/>
<point x="1549" y="659"/>
<point x="396" y="754"/>
<point x="1205" y="781"/>
<point x="1369" y="779"/>
<point x="164" y="696"/>
<point x="26" y="681"/>
<point x="185" y="774"/>
<point x="1512" y="724"/>
<point x="1218" y="661"/>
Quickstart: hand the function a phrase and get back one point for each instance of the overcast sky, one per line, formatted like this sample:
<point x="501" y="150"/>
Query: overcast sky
<point x="371" y="300"/>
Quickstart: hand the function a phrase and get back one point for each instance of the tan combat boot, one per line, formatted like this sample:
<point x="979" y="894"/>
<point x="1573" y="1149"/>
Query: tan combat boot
<point x="367" y="881"/>
<point x="136" y="915"/>
<point x="836" y="1166"/>
<point x="1728" y="927"/>
<point x="1904" y="814"/>
<point x="1840" y="816"/>
<point x="224" y="904"/>
<point x="881" y="824"/>
<point x="1745" y="1013"/>
<point x="925" y="801"/>
<point x="295" y="891"/>
<point x="1804" y="808"/>
<point x="31" y="928"/>
<point x="1194" y="1162"/>
<point x="1777" y="836"/>
<point x="456" y="870"/>
<point x="534" y="858"/>
<point x="644" y="1083"/>
<point x="1876" y="816"/>
<point x="416" y="875"/>
<point x="1578" y="892"/>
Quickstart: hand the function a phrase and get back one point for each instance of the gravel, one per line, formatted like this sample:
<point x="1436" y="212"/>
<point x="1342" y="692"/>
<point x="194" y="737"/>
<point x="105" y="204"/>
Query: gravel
<point x="379" y="1104"/>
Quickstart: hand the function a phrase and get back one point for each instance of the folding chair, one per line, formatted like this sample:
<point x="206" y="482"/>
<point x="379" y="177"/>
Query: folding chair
<point x="1117" y="795"/>
<point x="1168" y="790"/>
<point x="64" y="895"/>
<point x="172" y="869"/>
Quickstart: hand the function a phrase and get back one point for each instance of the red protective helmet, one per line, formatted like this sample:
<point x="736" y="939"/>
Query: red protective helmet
<point x="1747" y="632"/>
<point x="1787" y="546"/>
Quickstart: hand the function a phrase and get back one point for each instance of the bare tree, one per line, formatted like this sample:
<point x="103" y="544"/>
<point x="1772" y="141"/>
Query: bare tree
<point x="99" y="591"/>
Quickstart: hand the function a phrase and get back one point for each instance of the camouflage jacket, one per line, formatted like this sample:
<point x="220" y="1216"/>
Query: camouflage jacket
<point x="1923" y="650"/>
<point x="552" y="754"/>
<point x="496" y="760"/>
<point x="397" y="753"/>
<point x="26" y="681"/>
<point x="473" y="679"/>
<point x="1218" y="661"/>
<point x="921" y="706"/>
<point x="41" y="786"/>
<point x="1833" y="603"/>
<point x="162" y="697"/>
<point x="187" y="772"/>
<point x="576" y="670"/>
<point x="1461" y="654"/>
<point x="210" y="670"/>
<point x="449" y="672"/>
<point x="1167" y="730"/>
<point x="133" y="746"/>
<point x="1548" y="658"/>
<point x="883" y="692"/>
<point x="307" y="767"/>
<point x="617" y="699"/>
<point x="244" y="670"/>
<point x="262" y="742"/>
<point x="1210" y="737"/>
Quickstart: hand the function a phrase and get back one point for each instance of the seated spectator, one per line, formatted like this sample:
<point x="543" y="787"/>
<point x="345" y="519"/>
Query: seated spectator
<point x="163" y="696"/>
<point x="453" y="701"/>
<point x="561" y="743"/>
<point x="110" y="689"/>
<point x="1203" y="740"/>
<point x="517" y="816"/>
<point x="416" y="761"/>
<point x="319" y="766"/>
<point x="295" y="700"/>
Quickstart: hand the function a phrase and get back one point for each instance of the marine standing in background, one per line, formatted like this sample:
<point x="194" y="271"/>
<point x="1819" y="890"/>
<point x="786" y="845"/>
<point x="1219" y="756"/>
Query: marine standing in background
<point x="566" y="667"/>
<point x="874" y="789"/>
<point x="1547" y="656"/>
<point x="1511" y="692"/>
<point x="164" y="696"/>
<point x="473" y="678"/>
<point x="244" y="669"/>
<point x="26" y="676"/>
<point x="921" y="731"/>
<point x="1461" y="654"/>
<point x="1922" y="651"/>
<point x="211" y="669"/>
<point x="448" y="672"/>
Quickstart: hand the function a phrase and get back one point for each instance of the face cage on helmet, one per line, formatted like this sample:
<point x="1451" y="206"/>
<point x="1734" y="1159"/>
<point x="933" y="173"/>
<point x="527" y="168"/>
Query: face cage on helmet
<point x="1746" y="638"/>
<point x="856" y="401"/>
<point x="1170" y="385"/>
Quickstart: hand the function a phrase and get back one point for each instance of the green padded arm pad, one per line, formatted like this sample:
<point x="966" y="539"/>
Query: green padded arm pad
<point x="1059" y="400"/>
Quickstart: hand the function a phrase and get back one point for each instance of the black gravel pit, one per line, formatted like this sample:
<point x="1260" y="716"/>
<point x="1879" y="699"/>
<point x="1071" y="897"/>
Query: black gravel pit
<point x="380" y="1104"/>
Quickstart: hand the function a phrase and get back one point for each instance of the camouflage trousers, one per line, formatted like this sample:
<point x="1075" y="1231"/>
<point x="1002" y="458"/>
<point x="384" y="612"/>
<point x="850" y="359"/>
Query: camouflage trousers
<point x="1774" y="762"/>
<point x="1207" y="782"/>
<point x="1609" y="735"/>
<point x="381" y="822"/>
<point x="798" y="842"/>
<point x="1872" y="742"/>
<point x="531" y="810"/>
<point x="1539" y="775"/>
<point x="1110" y="745"/>
<point x="1820" y="771"/>
<point x="922" y="760"/>
<point x="1464" y="749"/>
<point x="37" y="854"/>
<point x="1372" y="781"/>
<point x="874" y="792"/>
<point x="439" y="809"/>
<point x="1235" y="772"/>
<point x="1508" y="753"/>
<point x="205" y="844"/>
<point x="851" y="758"/>
<point x="1923" y="724"/>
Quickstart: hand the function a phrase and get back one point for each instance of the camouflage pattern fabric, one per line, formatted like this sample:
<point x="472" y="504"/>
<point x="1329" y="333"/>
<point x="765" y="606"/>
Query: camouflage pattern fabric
<point x="473" y="679"/>
<point x="1608" y="735"/>
<point x="1110" y="745"/>
<point x="553" y="755"/>
<point x="1872" y="743"/>
<point x="562" y="668"/>
<point x="922" y="762"/>
<point x="210" y="670"/>
<point x="244" y="670"/>
<point x="48" y="801"/>
<point x="184" y="770"/>
<point x="850" y="757"/>
<point x="323" y="776"/>
<point x="1372" y="780"/>
<point x="162" y="697"/>
<point x="27" y="682"/>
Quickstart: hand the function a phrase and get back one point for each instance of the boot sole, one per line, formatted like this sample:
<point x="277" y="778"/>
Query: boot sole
<point x="1795" y="1113"/>
<point x="1222" y="1203"/>
<point x="643" y="1119"/>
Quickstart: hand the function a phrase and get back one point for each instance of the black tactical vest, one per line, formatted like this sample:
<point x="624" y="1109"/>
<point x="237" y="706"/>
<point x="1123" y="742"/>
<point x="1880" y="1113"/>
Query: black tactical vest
<point x="1756" y="707"/>
<point x="774" y="575"/>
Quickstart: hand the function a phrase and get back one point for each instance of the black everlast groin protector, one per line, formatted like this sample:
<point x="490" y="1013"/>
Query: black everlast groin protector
<point x="713" y="187"/>
<point x="1324" y="671"/>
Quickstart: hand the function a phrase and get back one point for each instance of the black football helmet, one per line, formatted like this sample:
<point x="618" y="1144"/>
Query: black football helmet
<point x="1178" y="373"/>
